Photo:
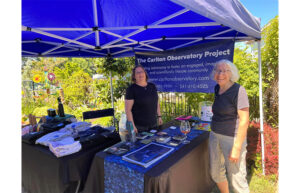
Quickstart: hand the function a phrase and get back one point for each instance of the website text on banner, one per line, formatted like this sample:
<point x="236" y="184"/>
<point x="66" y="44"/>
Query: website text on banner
<point x="185" y="69"/>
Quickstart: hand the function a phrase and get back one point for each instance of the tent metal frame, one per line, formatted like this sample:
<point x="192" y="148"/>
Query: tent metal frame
<point x="261" y="114"/>
<point x="126" y="37"/>
<point x="134" y="44"/>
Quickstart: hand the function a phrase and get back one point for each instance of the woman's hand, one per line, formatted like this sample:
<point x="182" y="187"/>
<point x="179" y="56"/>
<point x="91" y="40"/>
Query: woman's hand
<point x="128" y="107"/>
<point x="160" y="121"/>
<point x="241" y="135"/>
<point x="234" y="155"/>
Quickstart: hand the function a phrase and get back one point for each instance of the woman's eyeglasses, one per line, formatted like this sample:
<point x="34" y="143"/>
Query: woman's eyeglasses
<point x="139" y="72"/>
<point x="221" y="71"/>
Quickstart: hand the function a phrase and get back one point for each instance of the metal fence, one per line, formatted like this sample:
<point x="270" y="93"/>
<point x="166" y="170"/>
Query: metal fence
<point x="173" y="105"/>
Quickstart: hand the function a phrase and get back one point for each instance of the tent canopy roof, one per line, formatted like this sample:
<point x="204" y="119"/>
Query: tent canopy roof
<point x="96" y="28"/>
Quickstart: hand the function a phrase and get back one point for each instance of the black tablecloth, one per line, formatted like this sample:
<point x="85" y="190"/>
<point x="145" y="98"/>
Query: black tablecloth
<point x="42" y="172"/>
<point x="186" y="170"/>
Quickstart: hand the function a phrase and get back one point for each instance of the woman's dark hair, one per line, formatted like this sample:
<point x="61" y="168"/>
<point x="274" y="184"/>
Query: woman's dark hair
<point x="133" y="73"/>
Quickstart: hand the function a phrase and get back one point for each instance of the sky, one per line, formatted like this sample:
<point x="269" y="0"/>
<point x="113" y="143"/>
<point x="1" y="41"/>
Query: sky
<point x="263" y="9"/>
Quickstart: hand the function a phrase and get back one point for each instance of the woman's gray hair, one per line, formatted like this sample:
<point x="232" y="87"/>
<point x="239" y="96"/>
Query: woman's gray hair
<point x="234" y="71"/>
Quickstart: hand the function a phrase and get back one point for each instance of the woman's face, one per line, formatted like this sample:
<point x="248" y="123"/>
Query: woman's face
<point x="222" y="74"/>
<point x="140" y="75"/>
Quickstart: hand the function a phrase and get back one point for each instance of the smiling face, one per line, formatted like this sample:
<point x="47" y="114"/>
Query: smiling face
<point x="140" y="75"/>
<point x="222" y="74"/>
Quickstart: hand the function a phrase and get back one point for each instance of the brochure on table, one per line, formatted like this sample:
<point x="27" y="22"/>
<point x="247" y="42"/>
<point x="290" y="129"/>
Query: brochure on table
<point x="148" y="154"/>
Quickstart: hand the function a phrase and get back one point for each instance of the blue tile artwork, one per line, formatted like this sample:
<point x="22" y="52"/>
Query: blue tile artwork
<point x="123" y="176"/>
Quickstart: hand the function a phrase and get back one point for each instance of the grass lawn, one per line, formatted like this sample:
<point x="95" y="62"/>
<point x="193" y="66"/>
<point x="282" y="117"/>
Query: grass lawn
<point x="259" y="184"/>
<point x="263" y="184"/>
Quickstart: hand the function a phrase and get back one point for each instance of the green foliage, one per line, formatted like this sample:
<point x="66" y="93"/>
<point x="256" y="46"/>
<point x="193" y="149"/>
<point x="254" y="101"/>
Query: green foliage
<point x="194" y="101"/>
<point x="248" y="70"/>
<point x="120" y="70"/>
<point x="40" y="111"/>
<point x="182" y="104"/>
<point x="77" y="89"/>
<point x="103" y="121"/>
<point x="86" y="64"/>
<point x="28" y="106"/>
<point x="118" y="67"/>
<point x="72" y="74"/>
<point x="119" y="108"/>
<point x="263" y="184"/>
<point x="270" y="49"/>
<point x="37" y="97"/>
<point x="258" y="184"/>
<point x="104" y="89"/>
<point x="40" y="99"/>
<point x="77" y="112"/>
<point x="67" y="71"/>
<point x="32" y="66"/>
<point x="249" y="77"/>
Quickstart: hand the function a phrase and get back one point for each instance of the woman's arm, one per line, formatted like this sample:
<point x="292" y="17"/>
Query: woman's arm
<point x="241" y="134"/>
<point x="128" y="107"/>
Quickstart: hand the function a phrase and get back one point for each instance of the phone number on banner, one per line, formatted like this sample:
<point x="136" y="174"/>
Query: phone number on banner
<point x="193" y="86"/>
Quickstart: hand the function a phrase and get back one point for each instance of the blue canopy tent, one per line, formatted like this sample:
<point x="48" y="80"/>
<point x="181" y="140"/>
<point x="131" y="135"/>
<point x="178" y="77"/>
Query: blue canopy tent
<point x="94" y="28"/>
<point x="119" y="28"/>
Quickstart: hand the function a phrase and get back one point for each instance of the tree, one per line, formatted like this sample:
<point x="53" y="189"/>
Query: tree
<point x="73" y="75"/>
<point x="88" y="65"/>
<point x="270" y="71"/>
<point x="249" y="77"/>
<point x="120" y="70"/>
<point x="77" y="89"/>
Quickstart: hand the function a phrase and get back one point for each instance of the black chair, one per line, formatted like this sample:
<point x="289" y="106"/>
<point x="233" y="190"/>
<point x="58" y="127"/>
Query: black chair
<point x="99" y="114"/>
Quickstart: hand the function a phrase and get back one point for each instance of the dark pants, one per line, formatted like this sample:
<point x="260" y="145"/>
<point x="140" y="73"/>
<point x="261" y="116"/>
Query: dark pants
<point x="145" y="128"/>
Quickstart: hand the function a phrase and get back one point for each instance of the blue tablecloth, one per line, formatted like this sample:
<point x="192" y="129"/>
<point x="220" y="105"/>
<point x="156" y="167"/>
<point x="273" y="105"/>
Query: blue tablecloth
<point x="123" y="176"/>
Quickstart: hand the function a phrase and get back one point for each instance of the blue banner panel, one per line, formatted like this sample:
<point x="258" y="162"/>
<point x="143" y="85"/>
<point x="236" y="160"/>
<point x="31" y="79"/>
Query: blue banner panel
<point x="186" y="69"/>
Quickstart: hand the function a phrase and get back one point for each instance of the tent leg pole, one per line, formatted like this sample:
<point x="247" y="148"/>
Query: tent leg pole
<point x="112" y="97"/>
<point x="261" y="110"/>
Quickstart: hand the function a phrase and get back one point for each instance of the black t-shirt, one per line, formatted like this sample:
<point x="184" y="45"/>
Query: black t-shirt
<point x="144" y="109"/>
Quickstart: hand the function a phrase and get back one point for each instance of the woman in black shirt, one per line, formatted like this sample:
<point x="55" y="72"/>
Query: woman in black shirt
<point x="141" y="101"/>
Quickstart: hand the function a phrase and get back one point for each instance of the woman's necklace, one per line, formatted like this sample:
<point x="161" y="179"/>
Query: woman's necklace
<point x="144" y="85"/>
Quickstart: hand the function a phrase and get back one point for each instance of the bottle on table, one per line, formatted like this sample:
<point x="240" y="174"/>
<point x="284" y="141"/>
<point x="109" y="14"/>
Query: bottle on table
<point x="131" y="132"/>
<point x="122" y="128"/>
<point x="61" y="111"/>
